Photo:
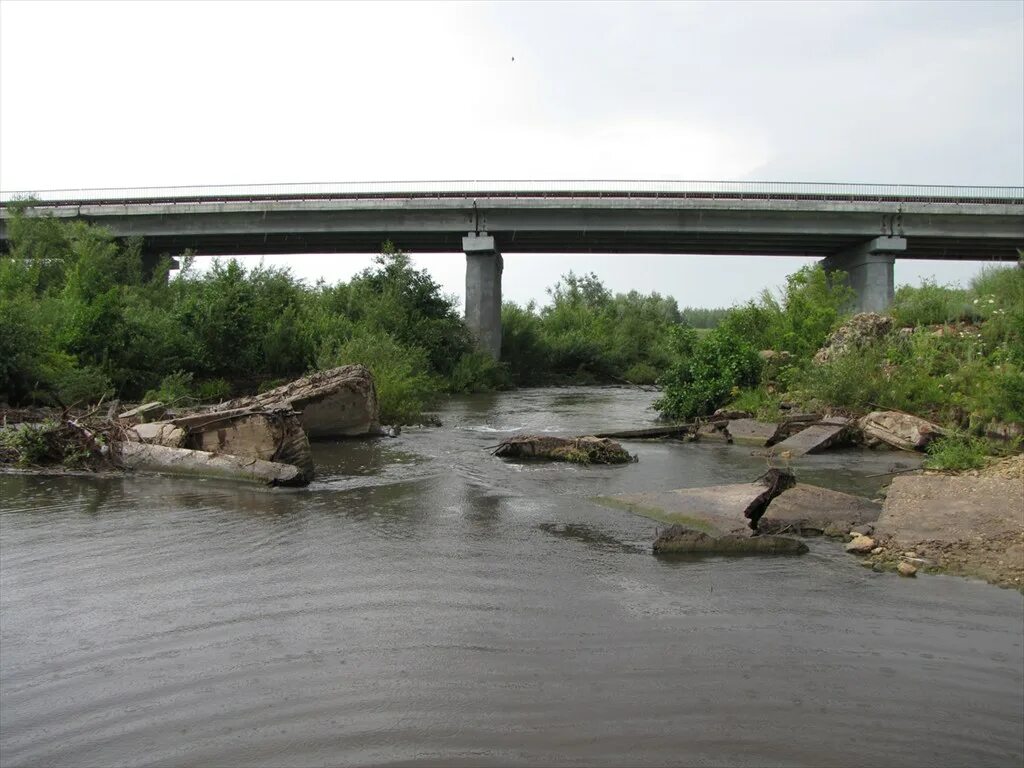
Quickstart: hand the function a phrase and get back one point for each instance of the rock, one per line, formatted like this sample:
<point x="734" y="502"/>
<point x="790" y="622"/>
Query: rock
<point x="751" y="432"/>
<point x="1004" y="431"/>
<point x="182" y="461"/>
<point x="861" y="545"/>
<point x="877" y="551"/>
<point x="815" y="438"/>
<point x="729" y="413"/>
<point x="836" y="530"/>
<point x="906" y="569"/>
<point x="341" y="402"/>
<point x="807" y="510"/>
<point x="951" y="509"/>
<point x="791" y="425"/>
<point x="153" y="411"/>
<point x="158" y="433"/>
<point x="859" y="332"/>
<point x="679" y="539"/>
<point x="715" y="431"/>
<point x="579" y="450"/>
<point x="269" y="435"/>
<point x="716" y="509"/>
<point x="900" y="430"/>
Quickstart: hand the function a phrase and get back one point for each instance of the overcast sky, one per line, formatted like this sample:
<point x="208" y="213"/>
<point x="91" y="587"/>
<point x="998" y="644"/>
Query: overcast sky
<point x="152" y="93"/>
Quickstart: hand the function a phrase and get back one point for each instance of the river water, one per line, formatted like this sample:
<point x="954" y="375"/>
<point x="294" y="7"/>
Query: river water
<point x="423" y="602"/>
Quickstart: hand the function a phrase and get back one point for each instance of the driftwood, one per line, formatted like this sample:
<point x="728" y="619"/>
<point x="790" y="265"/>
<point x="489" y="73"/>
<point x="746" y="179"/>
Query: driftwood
<point x="580" y="450"/>
<point x="651" y="433"/>
<point x="182" y="461"/>
<point x="775" y="481"/>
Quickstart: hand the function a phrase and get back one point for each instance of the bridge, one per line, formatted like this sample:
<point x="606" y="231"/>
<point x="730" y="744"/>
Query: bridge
<point x="857" y="228"/>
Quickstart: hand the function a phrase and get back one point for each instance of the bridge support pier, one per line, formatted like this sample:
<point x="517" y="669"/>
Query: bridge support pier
<point x="483" y="291"/>
<point x="869" y="271"/>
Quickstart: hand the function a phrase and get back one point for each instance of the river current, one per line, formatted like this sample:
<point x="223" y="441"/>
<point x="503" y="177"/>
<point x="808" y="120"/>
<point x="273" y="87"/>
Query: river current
<point x="426" y="603"/>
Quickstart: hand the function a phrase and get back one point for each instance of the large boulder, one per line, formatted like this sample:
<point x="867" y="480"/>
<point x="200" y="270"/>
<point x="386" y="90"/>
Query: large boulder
<point x="340" y="402"/>
<point x="273" y="434"/>
<point x="858" y="332"/>
<point x="900" y="430"/>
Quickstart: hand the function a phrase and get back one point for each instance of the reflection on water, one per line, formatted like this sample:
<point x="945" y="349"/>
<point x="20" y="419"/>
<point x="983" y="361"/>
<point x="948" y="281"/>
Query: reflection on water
<point x="425" y="602"/>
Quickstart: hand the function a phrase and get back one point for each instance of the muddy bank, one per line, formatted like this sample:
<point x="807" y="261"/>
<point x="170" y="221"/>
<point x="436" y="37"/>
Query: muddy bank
<point x="970" y="524"/>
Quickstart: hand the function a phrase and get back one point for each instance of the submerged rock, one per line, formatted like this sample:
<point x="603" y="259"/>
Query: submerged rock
<point x="861" y="545"/>
<point x="679" y="539"/>
<point x="811" y="510"/>
<point x="579" y="450"/>
<point x="906" y="569"/>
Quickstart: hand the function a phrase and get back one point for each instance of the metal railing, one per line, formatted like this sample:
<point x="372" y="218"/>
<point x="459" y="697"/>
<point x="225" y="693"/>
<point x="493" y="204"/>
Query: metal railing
<point x="736" y="190"/>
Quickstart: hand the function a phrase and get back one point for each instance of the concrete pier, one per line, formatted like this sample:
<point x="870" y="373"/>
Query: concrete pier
<point x="483" y="291"/>
<point x="869" y="271"/>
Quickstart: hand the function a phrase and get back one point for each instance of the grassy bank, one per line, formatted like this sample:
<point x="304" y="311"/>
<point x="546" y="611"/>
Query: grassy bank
<point x="953" y="356"/>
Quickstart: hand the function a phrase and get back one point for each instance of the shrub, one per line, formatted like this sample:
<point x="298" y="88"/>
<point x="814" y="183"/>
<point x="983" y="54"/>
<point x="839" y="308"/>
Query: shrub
<point x="478" y="372"/>
<point x="405" y="386"/>
<point x="710" y="371"/>
<point x="957" y="452"/>
<point x="174" y="388"/>
<point x="929" y="304"/>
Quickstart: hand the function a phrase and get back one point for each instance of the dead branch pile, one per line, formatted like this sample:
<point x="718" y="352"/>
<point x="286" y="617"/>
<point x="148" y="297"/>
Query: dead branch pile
<point x="74" y="443"/>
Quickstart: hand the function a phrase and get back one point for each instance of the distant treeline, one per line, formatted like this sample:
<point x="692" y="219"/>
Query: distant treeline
<point x="697" y="317"/>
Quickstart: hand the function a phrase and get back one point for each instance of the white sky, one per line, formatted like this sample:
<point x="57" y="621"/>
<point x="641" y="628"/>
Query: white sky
<point x="159" y="93"/>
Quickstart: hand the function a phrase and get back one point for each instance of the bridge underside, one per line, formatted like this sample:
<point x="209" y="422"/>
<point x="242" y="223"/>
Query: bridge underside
<point x="749" y="244"/>
<point x="859" y="235"/>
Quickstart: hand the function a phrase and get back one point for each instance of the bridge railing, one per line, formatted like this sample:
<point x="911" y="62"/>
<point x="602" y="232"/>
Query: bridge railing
<point x="752" y="190"/>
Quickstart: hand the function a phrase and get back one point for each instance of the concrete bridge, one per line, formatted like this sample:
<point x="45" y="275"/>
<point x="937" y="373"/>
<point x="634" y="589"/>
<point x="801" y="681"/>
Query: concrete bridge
<point x="858" y="228"/>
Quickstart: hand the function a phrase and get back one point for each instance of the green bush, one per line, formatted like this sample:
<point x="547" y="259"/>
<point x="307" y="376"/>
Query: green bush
<point x="957" y="452"/>
<point x="405" y="386"/>
<point x="929" y="304"/>
<point x="479" y="372"/>
<point x="175" y="388"/>
<point x="710" y="371"/>
<point x="213" y="390"/>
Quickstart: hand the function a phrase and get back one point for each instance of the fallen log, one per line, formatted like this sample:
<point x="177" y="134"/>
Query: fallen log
<point x="183" y="461"/>
<point x="775" y="482"/>
<point x="650" y="433"/>
<point x="579" y="450"/>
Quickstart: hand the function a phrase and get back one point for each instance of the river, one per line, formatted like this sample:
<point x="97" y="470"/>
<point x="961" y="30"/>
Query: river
<point x="423" y="602"/>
